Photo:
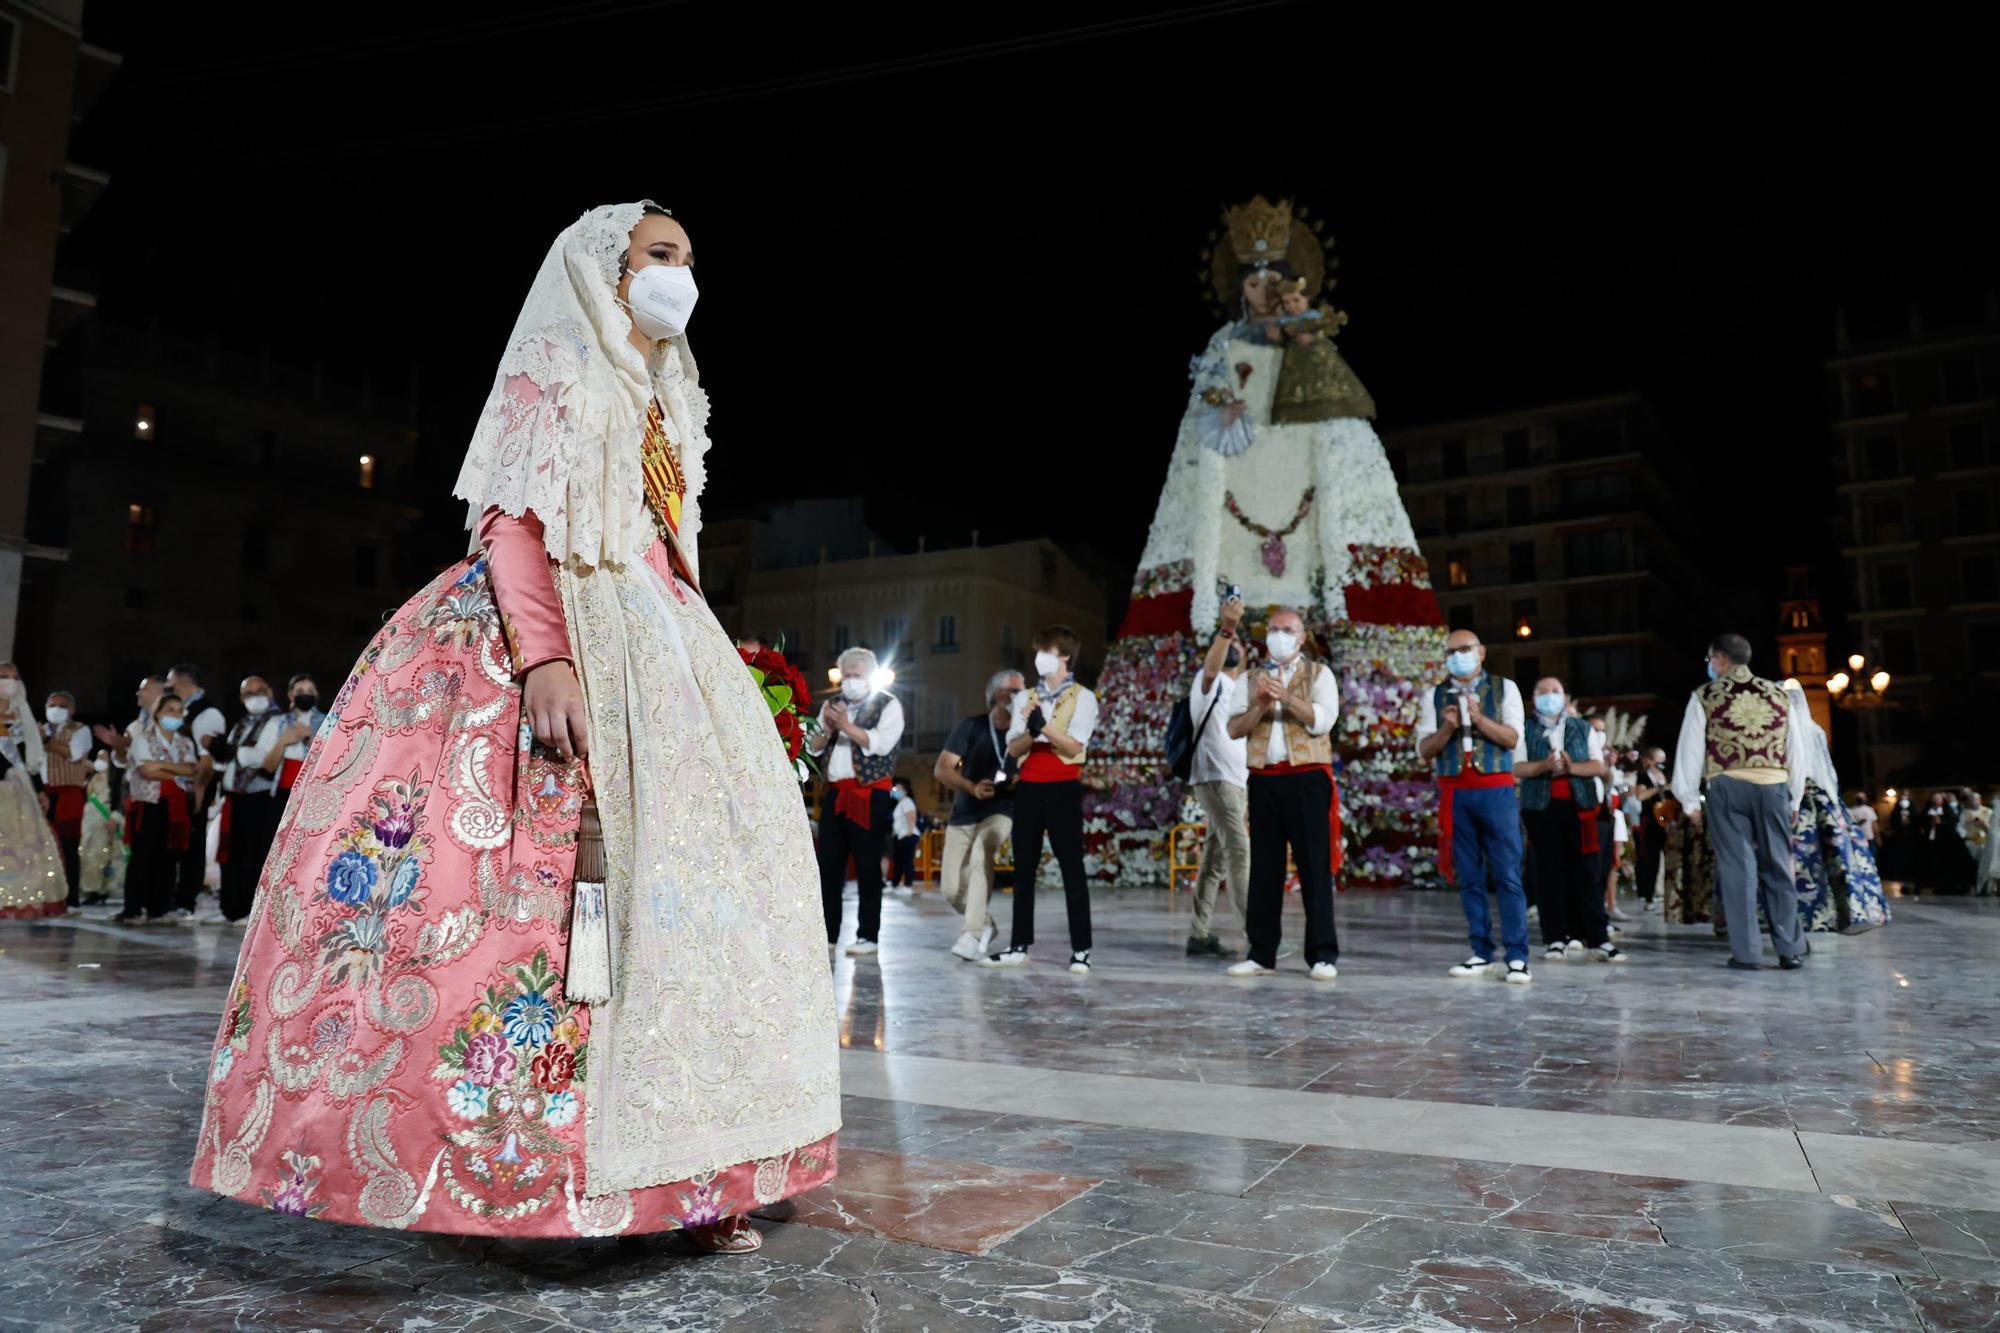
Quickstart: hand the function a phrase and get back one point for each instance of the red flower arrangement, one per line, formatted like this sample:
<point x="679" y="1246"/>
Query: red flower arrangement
<point x="788" y="696"/>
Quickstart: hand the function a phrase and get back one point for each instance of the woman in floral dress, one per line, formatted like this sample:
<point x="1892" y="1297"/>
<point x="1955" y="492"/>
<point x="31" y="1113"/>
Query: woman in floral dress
<point x="429" y="1028"/>
<point x="1839" y="888"/>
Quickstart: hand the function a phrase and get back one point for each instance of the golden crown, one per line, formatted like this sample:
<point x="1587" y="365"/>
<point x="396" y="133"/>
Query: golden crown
<point x="1260" y="231"/>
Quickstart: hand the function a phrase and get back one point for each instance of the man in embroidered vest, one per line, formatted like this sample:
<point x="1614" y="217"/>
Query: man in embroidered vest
<point x="65" y="774"/>
<point x="1049" y="737"/>
<point x="1287" y="713"/>
<point x="862" y="730"/>
<point x="1741" y="737"/>
<point x="1468" y="725"/>
<point x="1560" y="762"/>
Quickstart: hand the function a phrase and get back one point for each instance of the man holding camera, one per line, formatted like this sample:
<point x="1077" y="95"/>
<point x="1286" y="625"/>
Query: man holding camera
<point x="1219" y="777"/>
<point x="1467" y="727"/>
<point x="975" y="765"/>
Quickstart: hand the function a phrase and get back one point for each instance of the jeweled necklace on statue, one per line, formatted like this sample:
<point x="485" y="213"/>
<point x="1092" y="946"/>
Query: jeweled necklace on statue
<point x="1274" y="538"/>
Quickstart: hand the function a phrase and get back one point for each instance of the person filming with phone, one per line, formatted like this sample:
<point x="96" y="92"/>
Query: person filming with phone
<point x="1219" y="777"/>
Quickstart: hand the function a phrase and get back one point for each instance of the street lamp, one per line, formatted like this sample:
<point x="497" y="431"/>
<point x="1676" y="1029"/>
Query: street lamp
<point x="1860" y="690"/>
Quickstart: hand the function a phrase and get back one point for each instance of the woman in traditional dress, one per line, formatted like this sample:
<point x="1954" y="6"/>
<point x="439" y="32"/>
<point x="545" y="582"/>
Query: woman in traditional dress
<point x="1839" y="888"/>
<point x="32" y="884"/>
<point x="429" y="1029"/>
<point x="102" y="855"/>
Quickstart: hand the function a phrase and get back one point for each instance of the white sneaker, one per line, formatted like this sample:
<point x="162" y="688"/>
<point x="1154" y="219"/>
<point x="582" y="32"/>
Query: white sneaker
<point x="180" y="916"/>
<point x="1555" y="953"/>
<point x="1324" y="972"/>
<point x="1611" y="953"/>
<point x="1618" y="914"/>
<point x="1079" y="963"/>
<point x="1653" y="906"/>
<point x="1474" y="966"/>
<point x="986" y="934"/>
<point x="1613" y="932"/>
<point x="1534" y="912"/>
<point x="1010" y="958"/>
<point x="1518" y="974"/>
<point x="1249" y="967"/>
<point x="1574" y="949"/>
<point x="862" y="948"/>
<point x="967" y="947"/>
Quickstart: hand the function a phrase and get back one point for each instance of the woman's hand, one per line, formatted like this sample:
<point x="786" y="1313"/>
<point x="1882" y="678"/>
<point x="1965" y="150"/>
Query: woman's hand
<point x="553" y="702"/>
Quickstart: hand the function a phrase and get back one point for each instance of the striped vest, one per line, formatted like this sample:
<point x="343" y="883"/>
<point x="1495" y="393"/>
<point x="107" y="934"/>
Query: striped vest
<point x="63" y="770"/>
<point x="1488" y="757"/>
<point x="1576" y="744"/>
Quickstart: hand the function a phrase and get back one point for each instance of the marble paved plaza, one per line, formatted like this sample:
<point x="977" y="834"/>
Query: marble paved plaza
<point x="1665" y="1145"/>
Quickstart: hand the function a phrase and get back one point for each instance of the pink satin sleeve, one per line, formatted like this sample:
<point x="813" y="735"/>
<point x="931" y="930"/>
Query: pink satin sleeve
<point x="525" y="588"/>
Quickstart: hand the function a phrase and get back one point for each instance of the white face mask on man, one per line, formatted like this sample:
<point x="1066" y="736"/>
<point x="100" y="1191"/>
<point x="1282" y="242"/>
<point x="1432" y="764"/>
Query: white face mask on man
<point x="854" y="688"/>
<point x="662" y="299"/>
<point x="58" y="715"/>
<point x="1284" y="645"/>
<point x="1047" y="665"/>
<point x="256" y="704"/>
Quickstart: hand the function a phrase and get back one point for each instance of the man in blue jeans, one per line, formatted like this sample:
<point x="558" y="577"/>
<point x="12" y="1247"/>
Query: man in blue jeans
<point x="1468" y="727"/>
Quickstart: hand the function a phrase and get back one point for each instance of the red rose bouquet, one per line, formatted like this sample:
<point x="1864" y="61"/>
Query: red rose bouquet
<point x="789" y="697"/>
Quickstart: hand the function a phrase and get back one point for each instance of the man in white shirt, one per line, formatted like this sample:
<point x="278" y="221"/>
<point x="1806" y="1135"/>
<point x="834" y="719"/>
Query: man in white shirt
<point x="861" y="731"/>
<point x="65" y="776"/>
<point x="1219" y="777"/>
<point x="1467" y="727"/>
<point x="1049" y="738"/>
<point x="1862" y="815"/>
<point x="1741" y="735"/>
<point x="250" y="800"/>
<point x="1286" y="713"/>
<point x="205" y="725"/>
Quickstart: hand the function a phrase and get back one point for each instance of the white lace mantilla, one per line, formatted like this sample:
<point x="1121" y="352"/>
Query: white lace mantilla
<point x="560" y="429"/>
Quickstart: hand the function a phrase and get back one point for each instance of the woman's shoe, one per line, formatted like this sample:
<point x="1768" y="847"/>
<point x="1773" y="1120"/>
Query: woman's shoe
<point x="732" y="1235"/>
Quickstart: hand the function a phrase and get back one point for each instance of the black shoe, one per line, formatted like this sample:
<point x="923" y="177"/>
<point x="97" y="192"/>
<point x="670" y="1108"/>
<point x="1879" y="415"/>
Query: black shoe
<point x="1791" y="964"/>
<point x="1746" y="967"/>
<point x="1210" y="947"/>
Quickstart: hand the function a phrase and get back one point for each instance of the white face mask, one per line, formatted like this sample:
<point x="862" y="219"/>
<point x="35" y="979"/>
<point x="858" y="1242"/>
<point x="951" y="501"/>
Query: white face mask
<point x="662" y="299"/>
<point x="9" y="687"/>
<point x="58" y="715"/>
<point x="257" y="704"/>
<point x="1284" y="645"/>
<point x="1047" y="664"/>
<point x="854" y="688"/>
<point x="102" y="765"/>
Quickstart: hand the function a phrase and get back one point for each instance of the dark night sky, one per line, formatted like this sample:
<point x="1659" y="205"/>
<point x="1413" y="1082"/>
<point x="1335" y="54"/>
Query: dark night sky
<point x="994" y="257"/>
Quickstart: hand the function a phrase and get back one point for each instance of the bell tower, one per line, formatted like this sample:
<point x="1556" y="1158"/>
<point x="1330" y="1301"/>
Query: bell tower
<point x="1802" y="643"/>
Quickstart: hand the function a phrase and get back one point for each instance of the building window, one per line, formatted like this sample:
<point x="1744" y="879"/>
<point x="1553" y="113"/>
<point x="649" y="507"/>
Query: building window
<point x="10" y="48"/>
<point x="1958" y="380"/>
<point x="364" y="566"/>
<point x="1982" y="640"/>
<point x="1514" y="448"/>
<point x="1457" y="512"/>
<point x="1968" y="444"/>
<point x="145" y="423"/>
<point x="1892" y="586"/>
<point x="1007" y="642"/>
<point x="1881" y="458"/>
<point x="1885" y="520"/>
<point x="1458" y="570"/>
<point x="1899" y="651"/>
<point x="1871" y="393"/>
<point x="1600" y="670"/>
<point x="1972" y="511"/>
<point x="1527" y="670"/>
<point x="840" y="639"/>
<point x="1460" y="616"/>
<point x="895" y="629"/>
<point x="947" y="635"/>
<point x="142" y="530"/>
<point x="1521" y="562"/>
<point x="367" y="477"/>
<point x="1452" y="455"/>
<point x="1597" y="491"/>
<point x="1524" y="618"/>
<point x="1979" y="577"/>
<point x="256" y="548"/>
<point x="1586" y="553"/>
<point x="1520" y="506"/>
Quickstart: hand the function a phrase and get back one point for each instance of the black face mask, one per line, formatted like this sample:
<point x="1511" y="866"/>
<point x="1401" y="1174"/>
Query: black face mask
<point x="305" y="703"/>
<point x="1229" y="662"/>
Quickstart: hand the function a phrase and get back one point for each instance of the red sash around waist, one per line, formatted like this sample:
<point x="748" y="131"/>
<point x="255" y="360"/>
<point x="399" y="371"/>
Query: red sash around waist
<point x="288" y="773"/>
<point x="66" y="811"/>
<point x="1586" y="820"/>
<point x="853" y="798"/>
